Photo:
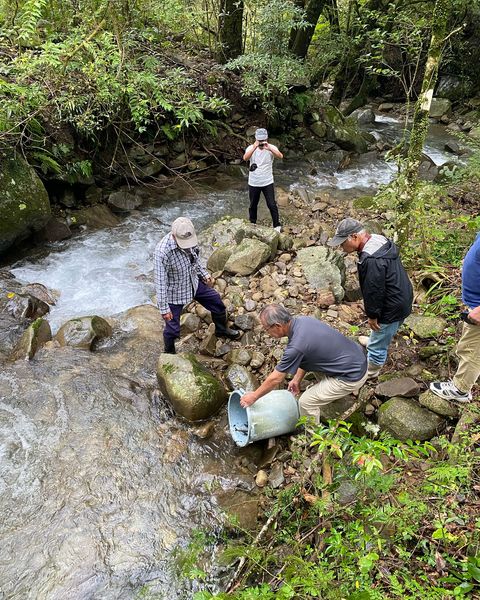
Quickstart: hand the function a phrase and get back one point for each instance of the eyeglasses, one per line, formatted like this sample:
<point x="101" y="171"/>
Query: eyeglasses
<point x="268" y="327"/>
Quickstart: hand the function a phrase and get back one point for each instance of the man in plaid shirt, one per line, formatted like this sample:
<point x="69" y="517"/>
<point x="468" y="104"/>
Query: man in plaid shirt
<point x="180" y="278"/>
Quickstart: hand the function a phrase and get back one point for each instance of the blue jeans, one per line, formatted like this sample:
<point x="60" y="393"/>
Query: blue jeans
<point x="379" y="342"/>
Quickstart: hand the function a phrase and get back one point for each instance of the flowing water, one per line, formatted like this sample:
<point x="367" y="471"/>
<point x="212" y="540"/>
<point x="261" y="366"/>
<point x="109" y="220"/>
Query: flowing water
<point x="98" y="484"/>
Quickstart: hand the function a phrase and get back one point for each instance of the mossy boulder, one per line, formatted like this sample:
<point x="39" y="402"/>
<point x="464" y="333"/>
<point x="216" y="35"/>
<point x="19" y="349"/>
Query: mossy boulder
<point x="24" y="204"/>
<point x="405" y="419"/>
<point x="247" y="257"/>
<point x="191" y="389"/>
<point x="83" y="332"/>
<point x="344" y="132"/>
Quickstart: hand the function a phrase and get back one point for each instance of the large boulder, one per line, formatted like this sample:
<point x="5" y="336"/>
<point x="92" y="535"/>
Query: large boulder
<point x="405" y="419"/>
<point x="344" y="132"/>
<point x="440" y="107"/>
<point x="192" y="390"/>
<point x="229" y="232"/>
<point x="323" y="268"/>
<point x="247" y="257"/>
<point x="83" y="331"/>
<point x="24" y="204"/>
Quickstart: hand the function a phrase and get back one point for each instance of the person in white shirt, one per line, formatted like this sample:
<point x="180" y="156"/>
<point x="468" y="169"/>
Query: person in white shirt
<point x="261" y="154"/>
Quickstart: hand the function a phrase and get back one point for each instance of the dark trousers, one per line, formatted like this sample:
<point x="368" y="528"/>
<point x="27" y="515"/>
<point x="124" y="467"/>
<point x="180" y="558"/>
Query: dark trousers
<point x="269" y="193"/>
<point x="207" y="296"/>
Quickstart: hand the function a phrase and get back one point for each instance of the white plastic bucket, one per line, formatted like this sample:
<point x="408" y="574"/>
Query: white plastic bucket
<point x="271" y="415"/>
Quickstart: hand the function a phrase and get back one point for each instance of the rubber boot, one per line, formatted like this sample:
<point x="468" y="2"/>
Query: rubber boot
<point x="221" y="328"/>
<point x="169" y="345"/>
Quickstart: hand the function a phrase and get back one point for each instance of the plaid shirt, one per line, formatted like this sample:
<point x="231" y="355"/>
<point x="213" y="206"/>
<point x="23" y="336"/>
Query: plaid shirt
<point x="176" y="273"/>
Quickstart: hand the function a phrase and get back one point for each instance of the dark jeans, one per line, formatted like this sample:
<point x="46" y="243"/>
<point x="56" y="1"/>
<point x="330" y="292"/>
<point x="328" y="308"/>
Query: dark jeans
<point x="207" y="296"/>
<point x="269" y="193"/>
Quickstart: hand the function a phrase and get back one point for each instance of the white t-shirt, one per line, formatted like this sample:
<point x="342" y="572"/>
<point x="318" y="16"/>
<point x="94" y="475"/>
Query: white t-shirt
<point x="263" y="174"/>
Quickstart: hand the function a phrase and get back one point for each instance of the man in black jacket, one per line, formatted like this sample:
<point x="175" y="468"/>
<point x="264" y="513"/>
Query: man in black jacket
<point x="386" y="288"/>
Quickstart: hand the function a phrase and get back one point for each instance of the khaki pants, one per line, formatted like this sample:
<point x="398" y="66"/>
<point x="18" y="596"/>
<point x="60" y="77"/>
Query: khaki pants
<point x="468" y="352"/>
<point x="325" y="391"/>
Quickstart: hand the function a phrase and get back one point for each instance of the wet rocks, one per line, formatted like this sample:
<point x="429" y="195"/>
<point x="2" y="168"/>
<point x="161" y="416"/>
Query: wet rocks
<point x="34" y="337"/>
<point x="191" y="389"/>
<point x="83" y="332"/>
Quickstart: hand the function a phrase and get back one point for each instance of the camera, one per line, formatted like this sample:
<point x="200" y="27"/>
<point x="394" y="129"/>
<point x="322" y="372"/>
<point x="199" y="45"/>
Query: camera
<point x="253" y="167"/>
<point x="262" y="144"/>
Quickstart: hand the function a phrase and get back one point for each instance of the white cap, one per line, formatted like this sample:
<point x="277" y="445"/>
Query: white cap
<point x="184" y="233"/>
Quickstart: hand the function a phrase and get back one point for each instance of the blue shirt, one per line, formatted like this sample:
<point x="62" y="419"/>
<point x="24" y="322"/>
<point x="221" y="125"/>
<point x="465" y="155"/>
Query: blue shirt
<point x="471" y="276"/>
<point x="315" y="346"/>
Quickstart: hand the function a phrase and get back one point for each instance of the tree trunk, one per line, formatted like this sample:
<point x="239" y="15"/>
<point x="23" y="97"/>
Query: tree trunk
<point x="230" y="30"/>
<point x="303" y="37"/>
<point x="409" y="176"/>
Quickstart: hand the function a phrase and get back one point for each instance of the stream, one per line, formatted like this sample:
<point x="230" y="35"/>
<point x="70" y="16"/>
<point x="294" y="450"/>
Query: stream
<point x="98" y="483"/>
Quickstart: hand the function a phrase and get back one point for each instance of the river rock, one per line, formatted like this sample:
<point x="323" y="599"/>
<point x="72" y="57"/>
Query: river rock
<point x="245" y="322"/>
<point x="258" y="358"/>
<point x="189" y="323"/>
<point x="276" y="477"/>
<point x="399" y="386"/>
<point x="440" y="107"/>
<point x="229" y="232"/>
<point x="98" y="216"/>
<point x="240" y="378"/>
<point x="26" y="306"/>
<point x="54" y="231"/>
<point x="343" y="132"/>
<point x="239" y="356"/>
<point x="124" y="200"/>
<point x="34" y="337"/>
<point x="247" y="257"/>
<point x="261" y="478"/>
<point x="319" y="129"/>
<point x="426" y="327"/>
<point x="191" y="389"/>
<point x="323" y="268"/>
<point x="24" y="205"/>
<point x="83" y="332"/>
<point x="438" y="405"/>
<point x="218" y="258"/>
<point x="405" y="419"/>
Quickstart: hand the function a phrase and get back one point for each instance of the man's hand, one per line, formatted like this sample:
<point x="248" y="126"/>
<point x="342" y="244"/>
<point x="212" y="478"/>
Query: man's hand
<point x="474" y="315"/>
<point x="248" y="399"/>
<point x="208" y="281"/>
<point x="167" y="316"/>
<point x="373" y="324"/>
<point x="294" y="387"/>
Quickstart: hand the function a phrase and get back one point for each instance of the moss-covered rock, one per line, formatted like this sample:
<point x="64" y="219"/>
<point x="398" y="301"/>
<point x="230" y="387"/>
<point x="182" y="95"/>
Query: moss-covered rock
<point x="192" y="390"/>
<point x="324" y="269"/>
<point x="426" y="327"/>
<point x="24" y="204"/>
<point x="405" y="419"/>
<point x="33" y="338"/>
<point x="344" y="132"/>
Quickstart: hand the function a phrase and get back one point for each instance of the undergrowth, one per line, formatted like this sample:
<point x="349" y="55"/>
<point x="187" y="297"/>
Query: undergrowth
<point x="408" y="527"/>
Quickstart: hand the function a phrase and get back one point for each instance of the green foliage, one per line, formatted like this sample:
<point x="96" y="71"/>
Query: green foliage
<point x="406" y="538"/>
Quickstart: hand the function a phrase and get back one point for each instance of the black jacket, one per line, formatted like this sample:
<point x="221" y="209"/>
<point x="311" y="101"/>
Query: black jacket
<point x="386" y="288"/>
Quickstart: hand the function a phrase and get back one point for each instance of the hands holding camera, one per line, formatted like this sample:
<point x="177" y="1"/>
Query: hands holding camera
<point x="262" y="145"/>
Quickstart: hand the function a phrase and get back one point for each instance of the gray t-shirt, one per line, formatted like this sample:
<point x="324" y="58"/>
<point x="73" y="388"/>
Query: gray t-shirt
<point x="315" y="346"/>
<point x="263" y="174"/>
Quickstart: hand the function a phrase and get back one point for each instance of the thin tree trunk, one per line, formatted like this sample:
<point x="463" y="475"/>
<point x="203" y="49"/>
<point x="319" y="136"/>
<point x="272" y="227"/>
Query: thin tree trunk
<point x="304" y="36"/>
<point x="420" y="119"/>
<point x="230" y="29"/>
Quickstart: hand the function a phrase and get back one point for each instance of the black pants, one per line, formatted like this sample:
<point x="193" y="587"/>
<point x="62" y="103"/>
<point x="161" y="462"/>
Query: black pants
<point x="269" y="193"/>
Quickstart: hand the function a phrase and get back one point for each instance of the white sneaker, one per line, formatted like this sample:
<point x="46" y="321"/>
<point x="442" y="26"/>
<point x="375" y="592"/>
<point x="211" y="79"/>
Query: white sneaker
<point x="278" y="228"/>
<point x="449" y="391"/>
<point x="373" y="370"/>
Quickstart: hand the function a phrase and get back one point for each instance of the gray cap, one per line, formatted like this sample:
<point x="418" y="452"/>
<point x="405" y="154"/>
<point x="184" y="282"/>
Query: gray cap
<point x="344" y="229"/>
<point x="184" y="233"/>
<point x="261" y="134"/>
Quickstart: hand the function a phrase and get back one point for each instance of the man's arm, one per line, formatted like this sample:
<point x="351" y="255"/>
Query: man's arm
<point x="474" y="315"/>
<point x="294" y="385"/>
<point x="160" y="278"/>
<point x="271" y="382"/>
<point x="250" y="150"/>
<point x="373" y="289"/>
<point x="274" y="150"/>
